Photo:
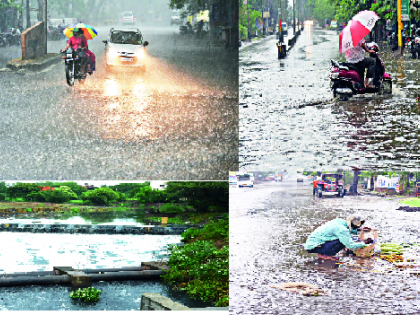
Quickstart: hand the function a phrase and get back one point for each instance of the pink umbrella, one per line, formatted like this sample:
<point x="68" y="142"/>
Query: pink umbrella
<point x="359" y="26"/>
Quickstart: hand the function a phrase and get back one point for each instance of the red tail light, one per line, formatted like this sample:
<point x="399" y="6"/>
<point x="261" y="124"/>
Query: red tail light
<point x="132" y="18"/>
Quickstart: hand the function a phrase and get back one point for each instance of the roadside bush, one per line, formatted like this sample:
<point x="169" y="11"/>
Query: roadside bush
<point x="201" y="270"/>
<point x="2" y="197"/>
<point x="171" y="208"/>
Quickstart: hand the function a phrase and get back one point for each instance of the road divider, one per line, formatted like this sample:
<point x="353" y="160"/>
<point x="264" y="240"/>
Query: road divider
<point x="34" y="64"/>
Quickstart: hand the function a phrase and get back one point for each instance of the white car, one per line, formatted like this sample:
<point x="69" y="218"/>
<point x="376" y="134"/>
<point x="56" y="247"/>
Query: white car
<point x="125" y="48"/>
<point x="128" y="18"/>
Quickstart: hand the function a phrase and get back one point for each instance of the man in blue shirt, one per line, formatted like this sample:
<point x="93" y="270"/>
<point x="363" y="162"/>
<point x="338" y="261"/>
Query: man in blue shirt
<point x="333" y="236"/>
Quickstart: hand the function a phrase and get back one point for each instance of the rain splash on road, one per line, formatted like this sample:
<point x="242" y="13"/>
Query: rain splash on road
<point x="289" y="120"/>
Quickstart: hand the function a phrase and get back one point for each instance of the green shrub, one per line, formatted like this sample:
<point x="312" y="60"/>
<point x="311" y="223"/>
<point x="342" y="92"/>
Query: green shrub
<point x="2" y="197"/>
<point x="76" y="201"/>
<point x="75" y="210"/>
<point x="215" y="230"/>
<point x="201" y="270"/>
<point x="171" y="208"/>
<point x="28" y="210"/>
<point x="41" y="205"/>
<point x="86" y="295"/>
<point x="120" y="209"/>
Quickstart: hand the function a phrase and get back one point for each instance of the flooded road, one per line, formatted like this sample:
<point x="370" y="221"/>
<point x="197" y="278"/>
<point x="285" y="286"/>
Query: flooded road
<point x="178" y="120"/>
<point x="268" y="225"/>
<point x="289" y="120"/>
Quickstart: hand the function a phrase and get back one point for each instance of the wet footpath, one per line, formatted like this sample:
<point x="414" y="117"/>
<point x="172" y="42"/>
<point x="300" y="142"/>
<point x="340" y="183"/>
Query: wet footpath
<point x="288" y="118"/>
<point x="269" y="224"/>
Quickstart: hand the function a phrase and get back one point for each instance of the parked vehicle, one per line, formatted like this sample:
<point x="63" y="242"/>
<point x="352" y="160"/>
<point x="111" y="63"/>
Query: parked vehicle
<point x="73" y="66"/>
<point x="176" y="18"/>
<point x="12" y="36"/>
<point x="125" y="48"/>
<point x="245" y="179"/>
<point x="346" y="80"/>
<point x="330" y="184"/>
<point x="3" y="41"/>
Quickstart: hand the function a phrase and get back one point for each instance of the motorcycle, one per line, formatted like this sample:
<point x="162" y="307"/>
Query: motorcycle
<point x="12" y="36"/>
<point x="186" y="29"/>
<point x="3" y="42"/>
<point x="347" y="80"/>
<point x="73" y="66"/>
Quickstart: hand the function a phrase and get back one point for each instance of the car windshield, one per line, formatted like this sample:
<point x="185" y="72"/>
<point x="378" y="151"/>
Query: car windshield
<point x="128" y="14"/>
<point x="132" y="38"/>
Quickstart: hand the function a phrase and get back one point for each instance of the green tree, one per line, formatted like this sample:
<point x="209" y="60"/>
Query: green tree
<point x="100" y="196"/>
<point x="320" y="10"/>
<point x="22" y="189"/>
<point x="202" y="196"/>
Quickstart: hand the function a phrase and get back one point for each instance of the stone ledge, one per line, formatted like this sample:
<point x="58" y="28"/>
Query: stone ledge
<point x="157" y="302"/>
<point x="34" y="64"/>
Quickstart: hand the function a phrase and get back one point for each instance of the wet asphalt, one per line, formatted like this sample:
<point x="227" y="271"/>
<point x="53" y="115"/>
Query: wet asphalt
<point x="288" y="119"/>
<point x="268" y="225"/>
<point x="177" y="121"/>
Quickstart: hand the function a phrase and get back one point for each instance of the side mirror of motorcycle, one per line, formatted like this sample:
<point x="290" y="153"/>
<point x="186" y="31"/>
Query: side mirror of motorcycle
<point x="105" y="41"/>
<point x="145" y="43"/>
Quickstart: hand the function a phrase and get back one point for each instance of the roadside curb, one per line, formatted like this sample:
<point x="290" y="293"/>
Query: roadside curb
<point x="34" y="65"/>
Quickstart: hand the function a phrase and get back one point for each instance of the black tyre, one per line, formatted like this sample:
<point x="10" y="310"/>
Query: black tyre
<point x="386" y="87"/>
<point x="319" y="194"/>
<point x="69" y="76"/>
<point x="343" y="97"/>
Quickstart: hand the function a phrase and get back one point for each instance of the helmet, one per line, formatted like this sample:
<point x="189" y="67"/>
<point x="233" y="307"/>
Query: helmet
<point x="373" y="46"/>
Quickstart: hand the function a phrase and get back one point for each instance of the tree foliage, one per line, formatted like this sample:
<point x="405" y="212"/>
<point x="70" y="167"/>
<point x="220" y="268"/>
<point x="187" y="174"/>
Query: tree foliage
<point x="202" y="196"/>
<point x="320" y="10"/>
<point x="100" y="196"/>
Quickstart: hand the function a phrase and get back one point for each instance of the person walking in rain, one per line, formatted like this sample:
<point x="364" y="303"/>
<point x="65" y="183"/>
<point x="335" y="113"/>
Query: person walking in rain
<point x="333" y="236"/>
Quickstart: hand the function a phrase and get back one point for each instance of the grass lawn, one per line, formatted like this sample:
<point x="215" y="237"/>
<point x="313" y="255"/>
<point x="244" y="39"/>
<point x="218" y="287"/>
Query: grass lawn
<point x="412" y="202"/>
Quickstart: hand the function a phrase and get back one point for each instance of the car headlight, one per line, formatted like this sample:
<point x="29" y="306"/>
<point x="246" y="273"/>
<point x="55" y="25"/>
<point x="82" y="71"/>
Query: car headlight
<point x="140" y="53"/>
<point x="112" y="53"/>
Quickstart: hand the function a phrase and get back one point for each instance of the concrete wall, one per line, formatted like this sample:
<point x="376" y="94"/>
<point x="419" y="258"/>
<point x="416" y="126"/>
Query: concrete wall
<point x="157" y="302"/>
<point x="34" y="42"/>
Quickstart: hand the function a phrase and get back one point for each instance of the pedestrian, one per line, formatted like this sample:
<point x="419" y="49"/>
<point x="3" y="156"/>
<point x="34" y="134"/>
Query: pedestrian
<point x="333" y="236"/>
<point x="356" y="56"/>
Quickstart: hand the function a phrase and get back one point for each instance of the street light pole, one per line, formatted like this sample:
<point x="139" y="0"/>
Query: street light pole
<point x="28" y="15"/>
<point x="399" y="27"/>
<point x="44" y="7"/>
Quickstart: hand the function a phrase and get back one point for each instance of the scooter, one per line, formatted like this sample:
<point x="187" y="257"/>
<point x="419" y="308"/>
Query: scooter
<point x="347" y="80"/>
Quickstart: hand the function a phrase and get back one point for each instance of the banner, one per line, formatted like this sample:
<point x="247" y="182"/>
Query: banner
<point x="386" y="182"/>
<point x="405" y="10"/>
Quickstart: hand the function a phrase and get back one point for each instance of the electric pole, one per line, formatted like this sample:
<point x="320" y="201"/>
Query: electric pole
<point x="294" y="18"/>
<point x="28" y="15"/>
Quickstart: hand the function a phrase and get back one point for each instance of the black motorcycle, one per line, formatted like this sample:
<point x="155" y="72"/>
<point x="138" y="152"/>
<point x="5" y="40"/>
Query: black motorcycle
<point x="186" y="29"/>
<point x="73" y="66"/>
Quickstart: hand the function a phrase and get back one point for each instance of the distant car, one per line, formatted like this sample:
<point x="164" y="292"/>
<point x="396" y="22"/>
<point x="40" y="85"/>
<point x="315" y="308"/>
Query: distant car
<point x="176" y="18"/>
<point x="128" y="18"/>
<point x="333" y="25"/>
<point x="125" y="48"/>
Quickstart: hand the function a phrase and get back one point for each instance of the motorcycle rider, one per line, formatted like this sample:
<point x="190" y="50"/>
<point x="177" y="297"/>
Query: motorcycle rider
<point x="79" y="41"/>
<point x="356" y="56"/>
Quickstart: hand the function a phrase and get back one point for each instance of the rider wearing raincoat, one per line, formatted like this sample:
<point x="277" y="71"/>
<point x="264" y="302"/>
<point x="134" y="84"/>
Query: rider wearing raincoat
<point x="333" y="236"/>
